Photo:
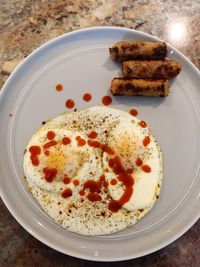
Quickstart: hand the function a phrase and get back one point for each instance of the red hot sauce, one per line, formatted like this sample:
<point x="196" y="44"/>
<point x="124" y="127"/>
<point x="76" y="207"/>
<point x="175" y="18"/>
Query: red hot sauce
<point x="87" y="97"/>
<point x="59" y="87"/>
<point x="133" y="112"/>
<point x="35" y="151"/>
<point x="128" y="182"/>
<point x="50" y="135"/>
<point x="106" y="100"/>
<point x="66" y="193"/>
<point x="70" y="103"/>
<point x="50" y="174"/>
<point x="146" y="141"/>
<point x="92" y="135"/>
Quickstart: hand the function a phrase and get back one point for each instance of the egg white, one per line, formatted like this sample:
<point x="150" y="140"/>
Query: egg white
<point x="120" y="131"/>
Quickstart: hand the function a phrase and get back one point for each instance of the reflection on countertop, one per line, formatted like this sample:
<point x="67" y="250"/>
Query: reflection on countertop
<point x="27" y="24"/>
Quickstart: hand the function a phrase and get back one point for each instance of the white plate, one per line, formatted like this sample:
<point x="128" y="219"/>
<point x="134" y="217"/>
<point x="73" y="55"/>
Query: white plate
<point x="80" y="61"/>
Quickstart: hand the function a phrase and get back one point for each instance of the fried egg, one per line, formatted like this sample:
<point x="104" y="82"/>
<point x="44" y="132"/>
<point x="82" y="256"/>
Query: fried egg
<point x="95" y="171"/>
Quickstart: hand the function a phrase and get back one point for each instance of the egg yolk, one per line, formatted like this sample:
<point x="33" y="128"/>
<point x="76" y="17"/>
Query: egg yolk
<point x="127" y="146"/>
<point x="66" y="160"/>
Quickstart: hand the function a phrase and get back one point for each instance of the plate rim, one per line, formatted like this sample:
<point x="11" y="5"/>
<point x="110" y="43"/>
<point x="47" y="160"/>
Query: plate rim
<point x="6" y="200"/>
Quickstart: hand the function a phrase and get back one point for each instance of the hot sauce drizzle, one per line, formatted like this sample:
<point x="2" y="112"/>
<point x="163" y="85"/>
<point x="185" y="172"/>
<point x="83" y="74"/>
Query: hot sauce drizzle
<point x="94" y="197"/>
<point x="111" y="162"/>
<point x="49" y="144"/>
<point x="128" y="182"/>
<point x="94" y="143"/>
<point x="35" y="151"/>
<point x="107" y="149"/>
<point x="93" y="186"/>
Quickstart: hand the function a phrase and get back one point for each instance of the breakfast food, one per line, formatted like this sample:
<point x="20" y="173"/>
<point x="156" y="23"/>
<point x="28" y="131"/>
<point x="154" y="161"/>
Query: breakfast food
<point x="126" y="50"/>
<point x="150" y="69"/>
<point x="139" y="87"/>
<point x="144" y="68"/>
<point x="95" y="171"/>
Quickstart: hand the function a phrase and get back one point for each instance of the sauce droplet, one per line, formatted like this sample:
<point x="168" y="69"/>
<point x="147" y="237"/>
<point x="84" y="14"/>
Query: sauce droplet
<point x="92" y="135"/>
<point x="138" y="162"/>
<point x="49" y="144"/>
<point x="114" y="206"/>
<point x="146" y="168"/>
<point x="87" y="97"/>
<point x="146" y="141"/>
<point x="94" y="197"/>
<point x="102" y="177"/>
<point x="129" y="171"/>
<point x="106" y="100"/>
<point x="66" y="180"/>
<point x="108" y="149"/>
<point x="111" y="162"/>
<point x="80" y="141"/>
<point x="35" y="151"/>
<point x="133" y="112"/>
<point x="105" y="184"/>
<point x="142" y="124"/>
<point x="66" y="141"/>
<point x="76" y="182"/>
<point x="67" y="193"/>
<point x="50" y="135"/>
<point x="46" y="152"/>
<point x="59" y="87"/>
<point x="50" y="173"/>
<point x="70" y="103"/>
<point x="113" y="181"/>
<point x="93" y="143"/>
<point x="82" y="192"/>
<point x="93" y="186"/>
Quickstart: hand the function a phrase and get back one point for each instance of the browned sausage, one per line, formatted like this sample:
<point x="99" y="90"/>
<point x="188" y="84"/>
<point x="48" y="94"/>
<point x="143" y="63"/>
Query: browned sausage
<point x="125" y="50"/>
<point x="139" y="87"/>
<point x="151" y="69"/>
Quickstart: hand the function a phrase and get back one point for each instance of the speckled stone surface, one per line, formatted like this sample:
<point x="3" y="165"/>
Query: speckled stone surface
<point x="25" y="25"/>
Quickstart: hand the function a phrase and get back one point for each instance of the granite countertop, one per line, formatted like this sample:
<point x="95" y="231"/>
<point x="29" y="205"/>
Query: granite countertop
<point x="25" y="25"/>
